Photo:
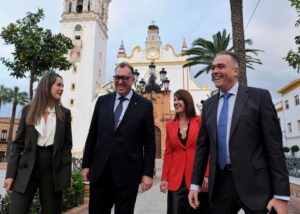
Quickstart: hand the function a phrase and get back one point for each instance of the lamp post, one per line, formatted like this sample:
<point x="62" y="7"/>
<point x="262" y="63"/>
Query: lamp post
<point x="152" y="85"/>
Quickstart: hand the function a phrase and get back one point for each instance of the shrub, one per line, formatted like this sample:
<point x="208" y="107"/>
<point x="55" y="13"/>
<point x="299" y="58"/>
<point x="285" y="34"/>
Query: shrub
<point x="294" y="149"/>
<point x="286" y="149"/>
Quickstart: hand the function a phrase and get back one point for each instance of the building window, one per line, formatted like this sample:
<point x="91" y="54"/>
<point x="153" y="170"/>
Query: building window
<point x="289" y="127"/>
<point x="71" y="102"/>
<point x="286" y="103"/>
<point x="74" y="69"/>
<point x="298" y="125"/>
<point x="297" y="100"/>
<point x="77" y="37"/>
<point x="73" y="87"/>
<point x="70" y="7"/>
<point x="3" y="135"/>
<point x="89" y="6"/>
<point x="79" y="6"/>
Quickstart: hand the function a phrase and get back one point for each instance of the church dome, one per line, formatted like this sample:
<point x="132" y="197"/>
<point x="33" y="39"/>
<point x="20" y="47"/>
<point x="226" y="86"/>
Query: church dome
<point x="152" y="27"/>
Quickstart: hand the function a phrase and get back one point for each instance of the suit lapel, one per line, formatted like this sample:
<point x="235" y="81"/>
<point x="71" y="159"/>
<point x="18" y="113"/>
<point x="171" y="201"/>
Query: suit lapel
<point x="110" y="112"/>
<point x="193" y="131"/>
<point x="241" y="98"/>
<point x="214" y="111"/>
<point x="59" y="127"/>
<point x="175" y="133"/>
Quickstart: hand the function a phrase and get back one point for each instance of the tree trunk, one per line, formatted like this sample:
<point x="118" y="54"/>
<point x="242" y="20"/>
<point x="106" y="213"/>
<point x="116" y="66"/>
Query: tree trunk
<point x="31" y="81"/>
<point x="11" y="129"/>
<point x="239" y="37"/>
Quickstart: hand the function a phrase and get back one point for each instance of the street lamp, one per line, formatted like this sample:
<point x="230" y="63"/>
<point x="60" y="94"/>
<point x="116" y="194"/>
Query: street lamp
<point x="152" y="85"/>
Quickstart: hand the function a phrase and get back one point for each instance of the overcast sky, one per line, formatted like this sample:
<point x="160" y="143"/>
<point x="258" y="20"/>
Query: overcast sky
<point x="271" y="29"/>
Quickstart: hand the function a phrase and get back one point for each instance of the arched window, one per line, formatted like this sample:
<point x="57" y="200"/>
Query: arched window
<point x="89" y="6"/>
<point x="70" y="7"/>
<point x="79" y="6"/>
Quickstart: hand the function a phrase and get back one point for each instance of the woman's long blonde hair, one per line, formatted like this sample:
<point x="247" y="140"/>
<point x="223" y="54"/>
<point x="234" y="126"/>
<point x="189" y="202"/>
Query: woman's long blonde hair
<point x="42" y="98"/>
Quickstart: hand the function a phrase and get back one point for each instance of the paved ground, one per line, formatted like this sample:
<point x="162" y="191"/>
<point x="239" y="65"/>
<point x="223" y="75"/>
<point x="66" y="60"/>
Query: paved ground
<point x="154" y="202"/>
<point x="150" y="202"/>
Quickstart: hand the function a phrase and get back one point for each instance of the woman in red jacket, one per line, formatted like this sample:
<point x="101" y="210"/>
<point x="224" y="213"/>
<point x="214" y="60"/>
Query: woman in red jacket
<point x="178" y="163"/>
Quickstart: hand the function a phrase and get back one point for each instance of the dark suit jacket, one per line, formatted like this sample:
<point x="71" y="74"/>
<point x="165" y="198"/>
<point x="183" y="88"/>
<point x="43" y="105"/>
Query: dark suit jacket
<point x="179" y="159"/>
<point x="255" y="145"/>
<point x="130" y="150"/>
<point x="22" y="157"/>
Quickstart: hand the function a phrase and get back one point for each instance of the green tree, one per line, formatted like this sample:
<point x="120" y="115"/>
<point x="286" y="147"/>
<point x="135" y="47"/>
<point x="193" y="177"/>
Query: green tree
<point x="3" y="95"/>
<point x="238" y="37"/>
<point x="16" y="97"/>
<point x="36" y="49"/>
<point x="293" y="57"/>
<point x="204" y="51"/>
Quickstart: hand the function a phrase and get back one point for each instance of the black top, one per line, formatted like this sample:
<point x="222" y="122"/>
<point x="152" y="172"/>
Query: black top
<point x="183" y="140"/>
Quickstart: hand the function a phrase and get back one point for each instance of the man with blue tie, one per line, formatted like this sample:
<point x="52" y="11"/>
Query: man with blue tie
<point x="119" y="151"/>
<point x="241" y="133"/>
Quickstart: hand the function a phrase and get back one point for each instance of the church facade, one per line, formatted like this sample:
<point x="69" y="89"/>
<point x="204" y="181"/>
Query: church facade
<point x="163" y="57"/>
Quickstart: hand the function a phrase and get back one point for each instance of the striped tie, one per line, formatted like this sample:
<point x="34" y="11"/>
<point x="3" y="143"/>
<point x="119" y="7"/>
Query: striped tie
<point x="118" y="111"/>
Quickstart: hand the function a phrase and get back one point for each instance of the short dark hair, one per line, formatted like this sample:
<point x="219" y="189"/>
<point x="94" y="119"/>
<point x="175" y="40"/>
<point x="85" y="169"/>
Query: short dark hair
<point x="124" y="65"/>
<point x="233" y="56"/>
<point x="188" y="101"/>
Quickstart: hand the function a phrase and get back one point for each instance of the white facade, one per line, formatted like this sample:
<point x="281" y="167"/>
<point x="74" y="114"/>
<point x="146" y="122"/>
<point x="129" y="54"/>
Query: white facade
<point x="288" y="110"/>
<point x="85" y="22"/>
<point x="167" y="58"/>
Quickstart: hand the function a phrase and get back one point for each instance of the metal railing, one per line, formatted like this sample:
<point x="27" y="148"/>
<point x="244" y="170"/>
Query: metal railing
<point x="293" y="165"/>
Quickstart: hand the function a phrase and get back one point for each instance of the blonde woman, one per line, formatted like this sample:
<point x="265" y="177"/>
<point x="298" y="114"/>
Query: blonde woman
<point x="41" y="153"/>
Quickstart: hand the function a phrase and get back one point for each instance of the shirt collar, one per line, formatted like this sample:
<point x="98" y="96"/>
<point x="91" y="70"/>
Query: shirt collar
<point x="50" y="110"/>
<point x="233" y="90"/>
<point x="128" y="96"/>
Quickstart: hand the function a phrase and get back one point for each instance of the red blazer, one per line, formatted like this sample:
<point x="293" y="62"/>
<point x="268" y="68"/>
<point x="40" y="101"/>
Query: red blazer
<point x="179" y="159"/>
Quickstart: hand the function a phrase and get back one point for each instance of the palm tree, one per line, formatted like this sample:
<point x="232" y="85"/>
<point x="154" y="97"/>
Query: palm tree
<point x="236" y="7"/>
<point x="16" y="98"/>
<point x="204" y="51"/>
<point x="3" y="95"/>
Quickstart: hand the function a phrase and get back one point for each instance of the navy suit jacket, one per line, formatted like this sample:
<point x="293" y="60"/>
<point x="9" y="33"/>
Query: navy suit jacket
<point x="255" y="147"/>
<point x="130" y="149"/>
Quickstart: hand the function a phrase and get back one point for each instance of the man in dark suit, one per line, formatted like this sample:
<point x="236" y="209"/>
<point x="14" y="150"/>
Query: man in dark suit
<point x="119" y="151"/>
<point x="241" y="133"/>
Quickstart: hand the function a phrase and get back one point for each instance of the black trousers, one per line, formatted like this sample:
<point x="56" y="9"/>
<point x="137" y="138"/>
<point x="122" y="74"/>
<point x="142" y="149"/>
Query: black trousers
<point x="42" y="179"/>
<point x="225" y="198"/>
<point x="105" y="193"/>
<point x="178" y="202"/>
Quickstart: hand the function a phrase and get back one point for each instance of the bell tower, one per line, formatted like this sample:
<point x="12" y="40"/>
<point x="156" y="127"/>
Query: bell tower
<point x="85" y="22"/>
<point x="153" y="42"/>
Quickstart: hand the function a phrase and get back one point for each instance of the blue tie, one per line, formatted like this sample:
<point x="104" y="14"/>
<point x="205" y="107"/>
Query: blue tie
<point x="118" y="111"/>
<point x="222" y="131"/>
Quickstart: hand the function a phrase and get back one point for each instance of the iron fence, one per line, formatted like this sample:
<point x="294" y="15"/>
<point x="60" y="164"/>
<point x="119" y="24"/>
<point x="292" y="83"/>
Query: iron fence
<point x="293" y="165"/>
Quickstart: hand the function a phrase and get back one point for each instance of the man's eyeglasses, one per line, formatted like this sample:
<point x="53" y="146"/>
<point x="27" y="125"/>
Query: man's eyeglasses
<point x="123" y="78"/>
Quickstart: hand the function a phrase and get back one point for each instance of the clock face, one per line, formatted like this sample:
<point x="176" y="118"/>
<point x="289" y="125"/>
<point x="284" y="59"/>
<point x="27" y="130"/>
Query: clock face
<point x="153" y="53"/>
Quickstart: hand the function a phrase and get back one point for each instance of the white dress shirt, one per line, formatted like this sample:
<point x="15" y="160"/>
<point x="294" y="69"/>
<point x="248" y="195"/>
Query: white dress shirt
<point x="46" y="130"/>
